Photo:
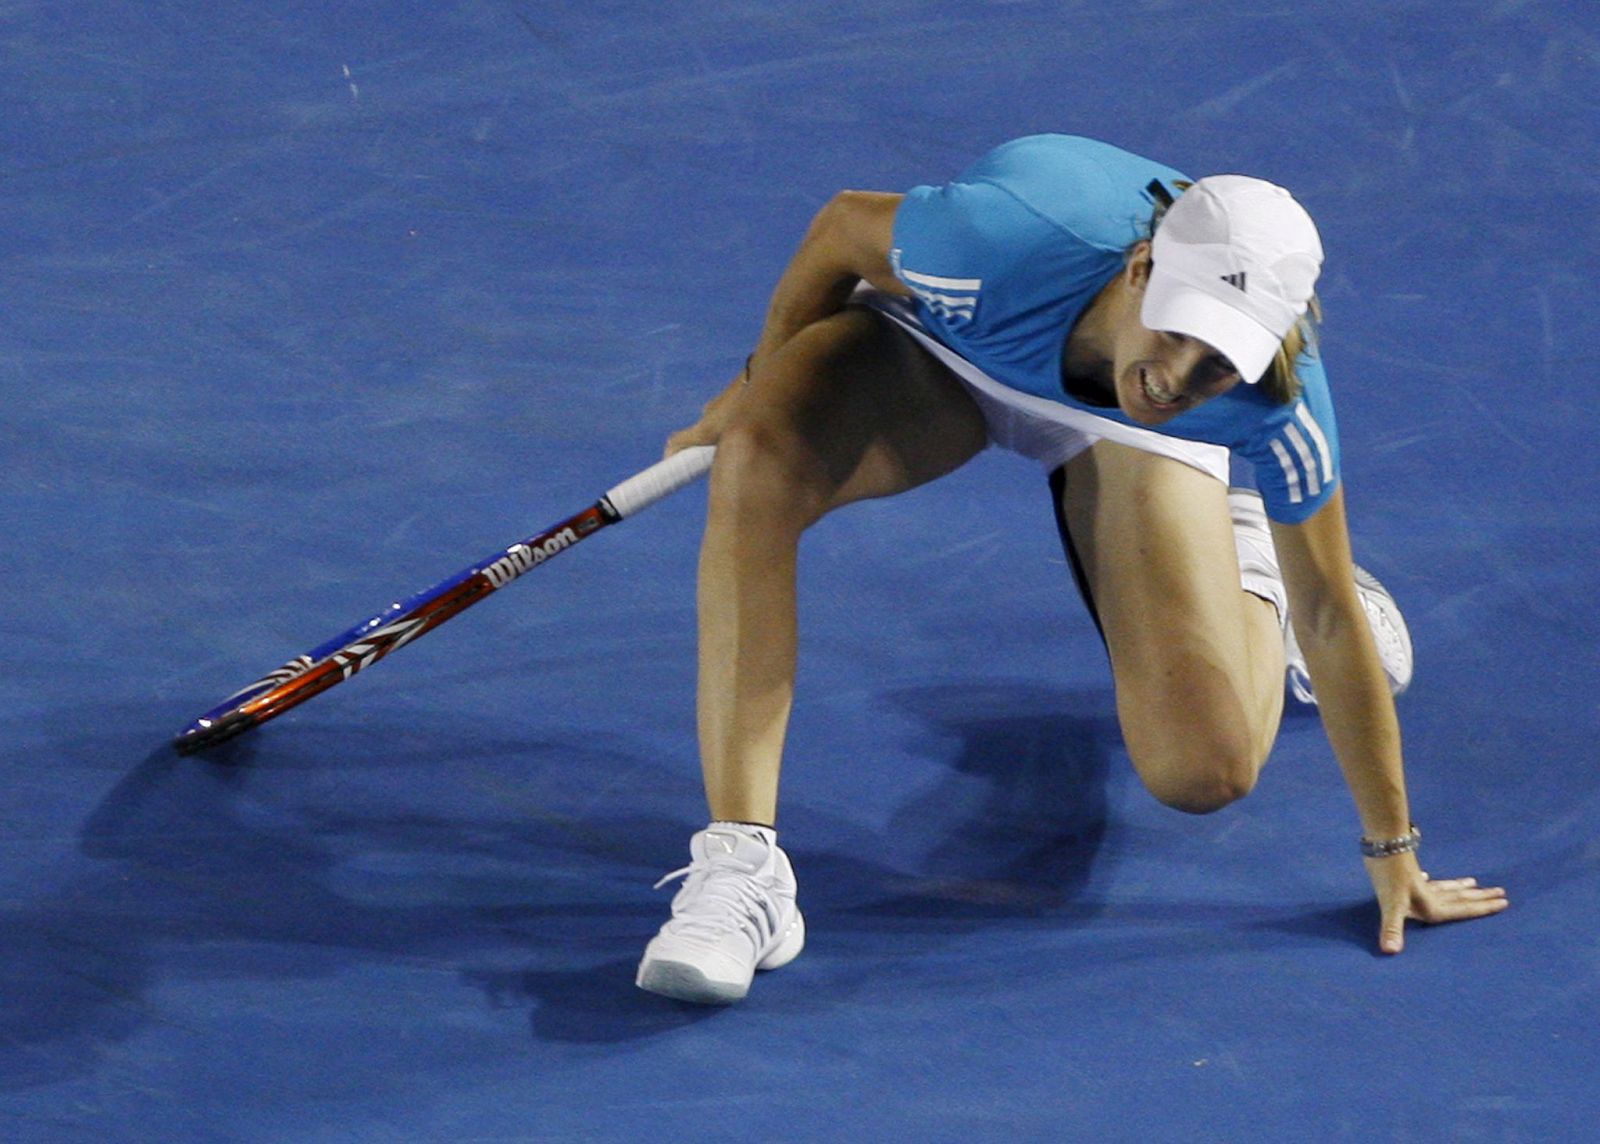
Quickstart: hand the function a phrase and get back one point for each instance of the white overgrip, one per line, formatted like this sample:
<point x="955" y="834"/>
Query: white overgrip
<point x="661" y="479"/>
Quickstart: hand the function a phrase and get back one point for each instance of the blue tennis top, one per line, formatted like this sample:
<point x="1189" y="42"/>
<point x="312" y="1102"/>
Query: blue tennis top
<point x="1004" y="259"/>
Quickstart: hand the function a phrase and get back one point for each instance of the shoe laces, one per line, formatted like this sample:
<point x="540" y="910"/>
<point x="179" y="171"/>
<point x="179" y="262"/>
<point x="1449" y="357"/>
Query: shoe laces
<point x="716" y="901"/>
<point x="1384" y="633"/>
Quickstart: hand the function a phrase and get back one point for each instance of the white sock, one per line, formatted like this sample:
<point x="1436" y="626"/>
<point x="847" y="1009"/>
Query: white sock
<point x="766" y="834"/>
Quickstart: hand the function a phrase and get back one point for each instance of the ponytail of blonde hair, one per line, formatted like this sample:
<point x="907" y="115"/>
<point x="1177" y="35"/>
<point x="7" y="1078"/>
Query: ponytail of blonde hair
<point x="1282" y="380"/>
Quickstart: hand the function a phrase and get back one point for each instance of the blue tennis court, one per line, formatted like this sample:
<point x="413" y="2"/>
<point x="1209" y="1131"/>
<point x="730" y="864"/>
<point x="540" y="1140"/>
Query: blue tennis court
<point x="306" y="306"/>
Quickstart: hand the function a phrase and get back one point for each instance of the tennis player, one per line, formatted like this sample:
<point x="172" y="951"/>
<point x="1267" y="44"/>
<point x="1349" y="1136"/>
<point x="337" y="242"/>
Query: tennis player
<point x="1128" y="329"/>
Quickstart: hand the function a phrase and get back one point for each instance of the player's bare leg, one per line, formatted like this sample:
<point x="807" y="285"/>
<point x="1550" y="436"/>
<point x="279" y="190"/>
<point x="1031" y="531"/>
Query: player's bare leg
<point x="850" y="408"/>
<point x="1198" y="662"/>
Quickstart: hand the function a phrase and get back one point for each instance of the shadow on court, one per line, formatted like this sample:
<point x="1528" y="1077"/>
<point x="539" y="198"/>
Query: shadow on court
<point x="1015" y="827"/>
<point x="200" y="869"/>
<point x="231" y="866"/>
<point x="1010" y="831"/>
<point x="240" y="866"/>
<point x="1015" y="835"/>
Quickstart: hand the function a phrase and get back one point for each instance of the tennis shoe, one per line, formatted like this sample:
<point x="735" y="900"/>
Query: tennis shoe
<point x="734" y="914"/>
<point x="1389" y="632"/>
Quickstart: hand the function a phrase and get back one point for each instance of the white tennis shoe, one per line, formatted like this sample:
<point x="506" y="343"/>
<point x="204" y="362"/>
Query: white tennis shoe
<point x="734" y="914"/>
<point x="1260" y="575"/>
<point x="1389" y="632"/>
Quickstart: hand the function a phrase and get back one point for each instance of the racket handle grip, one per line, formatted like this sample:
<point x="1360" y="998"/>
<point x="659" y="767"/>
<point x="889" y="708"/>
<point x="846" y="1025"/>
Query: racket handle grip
<point x="661" y="479"/>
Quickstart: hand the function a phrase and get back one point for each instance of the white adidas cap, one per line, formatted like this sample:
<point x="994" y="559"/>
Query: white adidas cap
<point x="1235" y="262"/>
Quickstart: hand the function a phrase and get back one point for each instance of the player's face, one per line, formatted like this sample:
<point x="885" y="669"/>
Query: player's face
<point x="1159" y="375"/>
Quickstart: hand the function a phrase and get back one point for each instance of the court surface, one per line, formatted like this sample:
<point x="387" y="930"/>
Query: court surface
<point x="304" y="306"/>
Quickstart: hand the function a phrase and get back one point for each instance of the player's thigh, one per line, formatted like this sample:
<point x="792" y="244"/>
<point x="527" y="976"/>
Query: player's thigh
<point x="1155" y="541"/>
<point x="852" y="408"/>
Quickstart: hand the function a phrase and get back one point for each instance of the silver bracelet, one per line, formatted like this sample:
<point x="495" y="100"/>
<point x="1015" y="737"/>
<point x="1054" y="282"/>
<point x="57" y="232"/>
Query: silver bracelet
<point x="1389" y="847"/>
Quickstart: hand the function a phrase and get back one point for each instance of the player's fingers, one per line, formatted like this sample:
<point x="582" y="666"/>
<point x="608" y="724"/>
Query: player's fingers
<point x="1392" y="933"/>
<point x="1465" y="890"/>
<point x="679" y="441"/>
<point x="1464" y="903"/>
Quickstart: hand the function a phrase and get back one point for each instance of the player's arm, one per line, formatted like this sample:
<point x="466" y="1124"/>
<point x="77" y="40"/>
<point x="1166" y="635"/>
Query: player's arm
<point x="1358" y="713"/>
<point x="848" y="242"/>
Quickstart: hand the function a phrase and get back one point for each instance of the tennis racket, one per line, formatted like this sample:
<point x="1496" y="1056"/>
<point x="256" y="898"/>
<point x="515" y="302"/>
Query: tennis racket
<point x="397" y="625"/>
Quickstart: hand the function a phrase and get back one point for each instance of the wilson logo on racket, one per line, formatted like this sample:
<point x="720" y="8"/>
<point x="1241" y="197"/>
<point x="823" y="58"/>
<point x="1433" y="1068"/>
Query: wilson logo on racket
<point x="521" y="557"/>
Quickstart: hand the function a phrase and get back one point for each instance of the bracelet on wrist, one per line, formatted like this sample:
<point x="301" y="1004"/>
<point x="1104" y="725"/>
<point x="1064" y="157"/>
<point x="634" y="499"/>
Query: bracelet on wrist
<point x="1388" y="847"/>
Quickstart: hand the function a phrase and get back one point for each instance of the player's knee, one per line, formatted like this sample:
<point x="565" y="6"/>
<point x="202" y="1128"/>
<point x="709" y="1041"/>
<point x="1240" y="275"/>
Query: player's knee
<point x="1201" y="794"/>
<point x="1197" y="777"/>
<point x="1196" y="748"/>
<point x="765" y="466"/>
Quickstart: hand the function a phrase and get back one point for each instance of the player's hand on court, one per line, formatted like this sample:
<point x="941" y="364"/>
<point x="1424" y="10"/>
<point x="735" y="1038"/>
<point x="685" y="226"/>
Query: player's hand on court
<point x="1405" y="892"/>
